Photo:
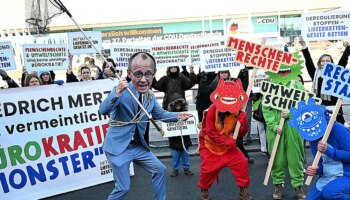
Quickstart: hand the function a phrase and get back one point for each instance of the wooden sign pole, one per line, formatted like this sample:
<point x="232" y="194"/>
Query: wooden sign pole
<point x="249" y="89"/>
<point x="275" y="146"/>
<point x="325" y="137"/>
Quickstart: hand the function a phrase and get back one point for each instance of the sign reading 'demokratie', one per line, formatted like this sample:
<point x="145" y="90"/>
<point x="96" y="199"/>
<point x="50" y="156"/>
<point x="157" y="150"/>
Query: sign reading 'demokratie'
<point x="256" y="55"/>
<point x="325" y="26"/>
<point x="218" y="58"/>
<point x="336" y="81"/>
<point x="79" y="44"/>
<point x="121" y="54"/>
<point x="188" y="127"/>
<point x="281" y="97"/>
<point x="171" y="54"/>
<point x="7" y="61"/>
<point x="51" y="139"/>
<point x="195" y="47"/>
<point x="45" y="57"/>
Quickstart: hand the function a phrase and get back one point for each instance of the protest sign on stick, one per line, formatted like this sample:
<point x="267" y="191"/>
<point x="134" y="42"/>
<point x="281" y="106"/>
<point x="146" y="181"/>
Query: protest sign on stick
<point x="282" y="98"/>
<point x="274" y="148"/>
<point x="249" y="89"/>
<point x="336" y="83"/>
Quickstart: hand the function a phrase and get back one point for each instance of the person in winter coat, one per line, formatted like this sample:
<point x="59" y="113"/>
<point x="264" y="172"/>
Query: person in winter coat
<point x="45" y="77"/>
<point x="8" y="81"/>
<point x="174" y="82"/>
<point x="85" y="75"/>
<point x="179" y="154"/>
<point x="315" y="74"/>
<point x="204" y="79"/>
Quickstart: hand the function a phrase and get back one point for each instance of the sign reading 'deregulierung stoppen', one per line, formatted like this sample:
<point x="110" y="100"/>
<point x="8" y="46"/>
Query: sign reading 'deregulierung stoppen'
<point x="218" y="58"/>
<point x="121" y="54"/>
<point x="325" y="26"/>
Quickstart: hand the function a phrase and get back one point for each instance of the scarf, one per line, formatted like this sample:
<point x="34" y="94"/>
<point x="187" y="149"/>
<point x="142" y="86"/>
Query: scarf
<point x="317" y="75"/>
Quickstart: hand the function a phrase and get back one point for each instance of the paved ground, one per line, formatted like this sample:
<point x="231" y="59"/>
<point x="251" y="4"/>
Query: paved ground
<point x="185" y="187"/>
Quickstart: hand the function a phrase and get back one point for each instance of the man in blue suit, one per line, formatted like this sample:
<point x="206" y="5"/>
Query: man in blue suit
<point x="124" y="142"/>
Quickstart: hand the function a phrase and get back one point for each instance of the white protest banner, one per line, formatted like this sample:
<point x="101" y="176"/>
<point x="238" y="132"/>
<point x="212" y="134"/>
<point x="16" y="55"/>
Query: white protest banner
<point x="336" y="81"/>
<point x="325" y="26"/>
<point x="51" y="139"/>
<point x="282" y="97"/>
<point x="188" y="127"/>
<point x="259" y="56"/>
<point x="79" y="44"/>
<point x="7" y="60"/>
<point x="121" y="54"/>
<point x="176" y="54"/>
<point x="218" y="58"/>
<point x="45" y="57"/>
<point x="259" y="78"/>
<point x="195" y="47"/>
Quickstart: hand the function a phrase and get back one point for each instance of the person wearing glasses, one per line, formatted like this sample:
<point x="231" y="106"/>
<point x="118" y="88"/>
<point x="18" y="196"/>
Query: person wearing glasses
<point x="174" y="82"/>
<point x="124" y="142"/>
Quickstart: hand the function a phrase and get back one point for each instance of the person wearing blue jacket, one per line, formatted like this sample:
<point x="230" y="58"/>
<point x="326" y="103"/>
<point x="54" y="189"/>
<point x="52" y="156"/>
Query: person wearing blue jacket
<point x="124" y="142"/>
<point x="334" y="166"/>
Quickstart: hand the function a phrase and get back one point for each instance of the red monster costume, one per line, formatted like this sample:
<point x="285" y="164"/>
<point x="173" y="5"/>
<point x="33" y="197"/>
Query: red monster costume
<point x="217" y="146"/>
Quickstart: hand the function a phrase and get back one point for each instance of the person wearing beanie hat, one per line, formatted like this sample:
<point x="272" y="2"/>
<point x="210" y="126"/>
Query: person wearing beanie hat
<point x="179" y="154"/>
<point x="45" y="77"/>
<point x="32" y="79"/>
<point x="174" y="82"/>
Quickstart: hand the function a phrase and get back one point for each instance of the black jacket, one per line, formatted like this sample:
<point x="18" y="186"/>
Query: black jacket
<point x="176" y="142"/>
<point x="173" y="83"/>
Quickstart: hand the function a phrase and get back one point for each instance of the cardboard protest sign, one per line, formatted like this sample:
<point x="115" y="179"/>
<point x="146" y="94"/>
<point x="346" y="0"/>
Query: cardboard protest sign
<point x="45" y="57"/>
<point x="7" y="60"/>
<point x="188" y="127"/>
<point x="121" y="54"/>
<point x="195" y="47"/>
<point x="257" y="55"/>
<point x="309" y="119"/>
<point x="325" y="26"/>
<point x="282" y="97"/>
<point x="171" y="54"/>
<point x="259" y="78"/>
<point x="336" y="81"/>
<point x="79" y="44"/>
<point x="218" y="59"/>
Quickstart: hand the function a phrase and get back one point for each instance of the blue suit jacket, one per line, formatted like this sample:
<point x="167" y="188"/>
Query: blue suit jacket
<point x="124" y="108"/>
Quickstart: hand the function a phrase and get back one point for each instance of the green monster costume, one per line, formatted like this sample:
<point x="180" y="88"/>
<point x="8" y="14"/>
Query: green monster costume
<point x="290" y="152"/>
